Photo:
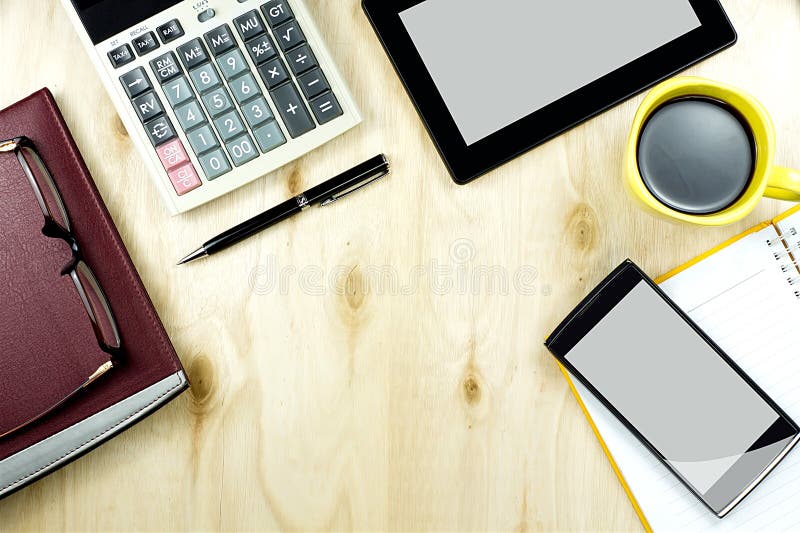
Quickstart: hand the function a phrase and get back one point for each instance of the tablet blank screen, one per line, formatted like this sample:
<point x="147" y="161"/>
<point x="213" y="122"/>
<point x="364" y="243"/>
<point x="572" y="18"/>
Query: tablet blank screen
<point x="495" y="62"/>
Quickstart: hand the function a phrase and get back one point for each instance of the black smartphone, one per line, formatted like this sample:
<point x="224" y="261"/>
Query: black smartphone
<point x="674" y="388"/>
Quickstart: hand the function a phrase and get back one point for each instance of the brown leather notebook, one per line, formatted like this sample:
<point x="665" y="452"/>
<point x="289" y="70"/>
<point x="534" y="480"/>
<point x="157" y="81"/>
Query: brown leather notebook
<point x="48" y="346"/>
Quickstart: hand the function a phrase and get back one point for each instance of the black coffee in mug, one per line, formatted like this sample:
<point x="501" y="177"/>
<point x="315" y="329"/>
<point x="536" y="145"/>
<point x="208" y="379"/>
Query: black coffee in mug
<point x="696" y="155"/>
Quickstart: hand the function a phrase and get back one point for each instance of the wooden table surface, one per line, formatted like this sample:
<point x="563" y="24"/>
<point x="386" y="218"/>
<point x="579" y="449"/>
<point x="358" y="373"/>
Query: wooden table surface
<point x="378" y="364"/>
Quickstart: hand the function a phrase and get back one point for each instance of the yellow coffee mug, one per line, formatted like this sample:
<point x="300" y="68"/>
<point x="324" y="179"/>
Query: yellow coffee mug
<point x="766" y="180"/>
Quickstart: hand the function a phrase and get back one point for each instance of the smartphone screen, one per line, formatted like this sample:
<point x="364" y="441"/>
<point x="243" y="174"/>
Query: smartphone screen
<point x="665" y="380"/>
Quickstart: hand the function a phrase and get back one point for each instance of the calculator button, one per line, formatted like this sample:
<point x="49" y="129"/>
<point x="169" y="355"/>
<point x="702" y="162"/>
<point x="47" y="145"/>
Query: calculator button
<point x="273" y="73"/>
<point x="145" y="43"/>
<point x="166" y="67"/>
<point x="160" y="130"/>
<point x="313" y="83"/>
<point x="241" y="150"/>
<point x="326" y="108"/>
<point x="249" y="25"/>
<point x="217" y="102"/>
<point x="192" y="53"/>
<point x="204" y="78"/>
<point x="172" y="154"/>
<point x="220" y="39"/>
<point x="231" y="64"/>
<point x="147" y="106"/>
<point x="170" y="31"/>
<point x="121" y="55"/>
<point x="301" y="60"/>
<point x="190" y="115"/>
<point x="229" y="126"/>
<point x="269" y="136"/>
<point x="261" y="49"/>
<point x="215" y="164"/>
<point x="289" y="35"/>
<point x="244" y="88"/>
<point x="292" y="109"/>
<point x="135" y="82"/>
<point x="184" y="179"/>
<point x="257" y="112"/>
<point x="277" y="12"/>
<point x="178" y="91"/>
<point x="202" y="140"/>
<point x="206" y="15"/>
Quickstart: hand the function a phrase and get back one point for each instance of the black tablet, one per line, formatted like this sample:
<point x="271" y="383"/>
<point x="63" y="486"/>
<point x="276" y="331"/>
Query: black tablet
<point x="492" y="79"/>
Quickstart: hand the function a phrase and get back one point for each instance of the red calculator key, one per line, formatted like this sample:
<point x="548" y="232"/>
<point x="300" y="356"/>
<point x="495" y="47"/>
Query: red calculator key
<point x="172" y="154"/>
<point x="184" y="179"/>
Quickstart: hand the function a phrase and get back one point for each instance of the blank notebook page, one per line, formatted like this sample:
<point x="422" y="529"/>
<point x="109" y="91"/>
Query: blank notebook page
<point x="743" y="300"/>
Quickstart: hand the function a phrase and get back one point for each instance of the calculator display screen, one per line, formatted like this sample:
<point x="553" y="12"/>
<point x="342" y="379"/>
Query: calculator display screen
<point x="673" y="387"/>
<point x="106" y="18"/>
<point x="496" y="62"/>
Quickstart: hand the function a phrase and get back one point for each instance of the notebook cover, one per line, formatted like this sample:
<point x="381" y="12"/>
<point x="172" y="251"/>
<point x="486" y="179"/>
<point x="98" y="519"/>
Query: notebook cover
<point x="149" y="356"/>
<point x="659" y="280"/>
<point x="48" y="352"/>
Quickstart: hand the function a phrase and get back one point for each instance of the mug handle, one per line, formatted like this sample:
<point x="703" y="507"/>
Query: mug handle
<point x="784" y="184"/>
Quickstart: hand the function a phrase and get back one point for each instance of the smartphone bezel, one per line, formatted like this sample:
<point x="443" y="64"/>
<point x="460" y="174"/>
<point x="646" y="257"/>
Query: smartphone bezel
<point x="591" y="311"/>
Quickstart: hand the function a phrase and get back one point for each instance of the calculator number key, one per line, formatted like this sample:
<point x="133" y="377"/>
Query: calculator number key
<point x="217" y="102"/>
<point x="215" y="164"/>
<point x="190" y="115"/>
<point x="244" y="88"/>
<point x="257" y="112"/>
<point x="202" y="140"/>
<point x="232" y="63"/>
<point x="241" y="150"/>
<point x="229" y="126"/>
<point x="205" y="78"/>
<point x="178" y="91"/>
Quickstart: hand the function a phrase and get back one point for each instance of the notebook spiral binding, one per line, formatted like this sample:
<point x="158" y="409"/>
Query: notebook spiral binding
<point x="788" y="252"/>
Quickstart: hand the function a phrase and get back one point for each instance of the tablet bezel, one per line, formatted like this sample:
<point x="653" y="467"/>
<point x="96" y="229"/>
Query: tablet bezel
<point x="467" y="162"/>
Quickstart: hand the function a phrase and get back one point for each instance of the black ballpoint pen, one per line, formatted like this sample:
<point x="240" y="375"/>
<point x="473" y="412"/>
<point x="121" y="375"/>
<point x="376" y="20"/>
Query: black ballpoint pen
<point x="323" y="194"/>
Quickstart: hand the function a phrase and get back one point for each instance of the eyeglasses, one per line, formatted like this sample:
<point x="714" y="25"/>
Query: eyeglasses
<point x="57" y="225"/>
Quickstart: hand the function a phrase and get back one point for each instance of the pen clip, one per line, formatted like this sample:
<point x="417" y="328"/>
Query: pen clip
<point x="380" y="174"/>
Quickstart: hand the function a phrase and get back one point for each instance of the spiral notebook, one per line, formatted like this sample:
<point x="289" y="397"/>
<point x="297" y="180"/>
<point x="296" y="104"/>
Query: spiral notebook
<point x="746" y="295"/>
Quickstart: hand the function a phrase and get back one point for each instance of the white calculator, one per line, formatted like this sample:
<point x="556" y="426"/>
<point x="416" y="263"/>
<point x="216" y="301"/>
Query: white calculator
<point x="215" y="93"/>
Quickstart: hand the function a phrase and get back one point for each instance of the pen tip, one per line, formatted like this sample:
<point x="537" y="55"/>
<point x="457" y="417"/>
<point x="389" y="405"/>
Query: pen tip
<point x="200" y="252"/>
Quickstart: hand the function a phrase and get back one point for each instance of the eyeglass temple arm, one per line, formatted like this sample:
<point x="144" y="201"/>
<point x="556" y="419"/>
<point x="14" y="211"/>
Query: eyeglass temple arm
<point x="10" y="145"/>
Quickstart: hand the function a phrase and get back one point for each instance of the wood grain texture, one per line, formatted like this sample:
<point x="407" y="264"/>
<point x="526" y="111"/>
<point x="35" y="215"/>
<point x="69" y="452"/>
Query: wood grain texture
<point x="339" y="382"/>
